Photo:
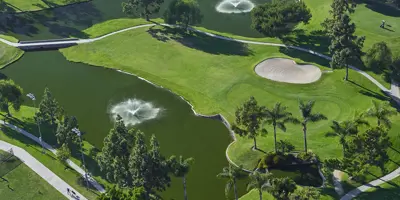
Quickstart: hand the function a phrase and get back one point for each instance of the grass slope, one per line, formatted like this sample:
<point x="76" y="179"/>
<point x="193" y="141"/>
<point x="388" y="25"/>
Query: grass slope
<point x="9" y="54"/>
<point x="216" y="76"/>
<point x="48" y="159"/>
<point x="21" y="183"/>
<point x="34" y="5"/>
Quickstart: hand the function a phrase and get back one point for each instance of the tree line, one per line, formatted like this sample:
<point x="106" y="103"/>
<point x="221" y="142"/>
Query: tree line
<point x="251" y="117"/>
<point x="279" y="188"/>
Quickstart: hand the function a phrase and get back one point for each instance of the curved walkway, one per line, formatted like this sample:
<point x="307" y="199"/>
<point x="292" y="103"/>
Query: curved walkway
<point x="74" y="166"/>
<point x="41" y="170"/>
<point x="390" y="92"/>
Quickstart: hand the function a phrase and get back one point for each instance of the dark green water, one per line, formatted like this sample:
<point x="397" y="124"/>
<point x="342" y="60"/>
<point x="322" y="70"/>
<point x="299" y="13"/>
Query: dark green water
<point x="69" y="21"/>
<point x="88" y="92"/>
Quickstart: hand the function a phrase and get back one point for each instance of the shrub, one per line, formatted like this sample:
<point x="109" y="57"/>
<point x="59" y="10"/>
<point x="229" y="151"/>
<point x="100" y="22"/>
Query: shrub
<point x="284" y="146"/>
<point x="272" y="159"/>
<point x="307" y="157"/>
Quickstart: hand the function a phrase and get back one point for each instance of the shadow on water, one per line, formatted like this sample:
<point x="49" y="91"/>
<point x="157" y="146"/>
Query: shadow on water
<point x="199" y="41"/>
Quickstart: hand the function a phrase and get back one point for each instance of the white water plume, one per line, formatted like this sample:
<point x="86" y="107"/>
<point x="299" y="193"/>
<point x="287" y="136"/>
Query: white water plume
<point x="134" y="111"/>
<point x="235" y="6"/>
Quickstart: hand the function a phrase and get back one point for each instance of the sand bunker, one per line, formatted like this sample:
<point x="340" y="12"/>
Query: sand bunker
<point x="286" y="70"/>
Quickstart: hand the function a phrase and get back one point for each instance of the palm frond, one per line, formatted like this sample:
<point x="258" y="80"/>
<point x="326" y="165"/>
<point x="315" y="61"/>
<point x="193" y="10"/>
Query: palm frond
<point x="281" y="125"/>
<point x="228" y="187"/>
<point x="317" y="117"/>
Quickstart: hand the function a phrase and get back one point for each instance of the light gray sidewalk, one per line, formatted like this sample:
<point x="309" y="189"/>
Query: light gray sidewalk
<point x="371" y="184"/>
<point x="41" y="170"/>
<point x="74" y="166"/>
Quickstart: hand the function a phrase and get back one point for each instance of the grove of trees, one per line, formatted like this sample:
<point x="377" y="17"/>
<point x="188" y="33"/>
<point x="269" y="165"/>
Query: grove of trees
<point x="279" y="17"/>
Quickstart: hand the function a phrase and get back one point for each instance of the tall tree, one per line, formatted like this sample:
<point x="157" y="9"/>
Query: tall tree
<point x="371" y="147"/>
<point x="233" y="174"/>
<point x="394" y="70"/>
<point x="382" y="112"/>
<point x="278" y="117"/>
<point x="49" y="110"/>
<point x="345" y="47"/>
<point x="308" y="116"/>
<point x="139" y="161"/>
<point x="180" y="168"/>
<point x="259" y="182"/>
<point x="378" y="57"/>
<point x="114" y="157"/>
<point x="305" y="193"/>
<point x="279" y="17"/>
<point x="281" y="188"/>
<point x="10" y="95"/>
<point x="338" y="8"/>
<point x="64" y="133"/>
<point x="159" y="168"/>
<point x="144" y="8"/>
<point x="248" y="120"/>
<point x="343" y="130"/>
<point x="184" y="12"/>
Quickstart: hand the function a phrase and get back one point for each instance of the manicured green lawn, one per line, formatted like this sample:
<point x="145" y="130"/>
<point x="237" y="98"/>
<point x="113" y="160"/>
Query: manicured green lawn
<point x="9" y="54"/>
<point x="216" y="76"/>
<point x="389" y="190"/>
<point x="21" y="183"/>
<point x="33" y="5"/>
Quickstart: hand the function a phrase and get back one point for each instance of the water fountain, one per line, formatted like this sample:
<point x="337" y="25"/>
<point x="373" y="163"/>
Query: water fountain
<point x="235" y="6"/>
<point x="134" y="111"/>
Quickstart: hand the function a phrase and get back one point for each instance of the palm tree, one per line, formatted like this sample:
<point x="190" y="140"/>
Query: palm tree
<point x="381" y="112"/>
<point x="359" y="119"/>
<point x="259" y="181"/>
<point x="233" y="174"/>
<point x="343" y="129"/>
<point x="278" y="116"/>
<point x="180" y="168"/>
<point x="308" y="116"/>
<point x="281" y="188"/>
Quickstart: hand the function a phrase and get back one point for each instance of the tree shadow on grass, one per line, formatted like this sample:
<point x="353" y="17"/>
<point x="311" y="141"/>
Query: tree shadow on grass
<point x="63" y="21"/>
<point x="381" y="7"/>
<point x="200" y="41"/>
<point x="315" y="40"/>
<point x="367" y="92"/>
<point x="306" y="57"/>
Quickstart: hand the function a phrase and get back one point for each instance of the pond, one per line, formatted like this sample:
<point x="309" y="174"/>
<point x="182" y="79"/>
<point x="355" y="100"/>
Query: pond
<point x="69" y="21"/>
<point x="90" y="93"/>
<point x="306" y="175"/>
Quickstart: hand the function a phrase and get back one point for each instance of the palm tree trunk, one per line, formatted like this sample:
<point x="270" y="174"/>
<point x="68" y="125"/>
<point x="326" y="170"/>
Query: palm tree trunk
<point x="347" y="73"/>
<point x="260" y="193"/>
<point x="343" y="149"/>
<point x="234" y="189"/>
<point x="276" y="150"/>
<point x="255" y="142"/>
<point x="184" y="187"/>
<point x="305" y="137"/>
